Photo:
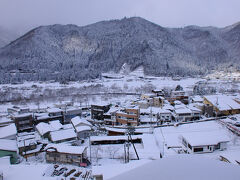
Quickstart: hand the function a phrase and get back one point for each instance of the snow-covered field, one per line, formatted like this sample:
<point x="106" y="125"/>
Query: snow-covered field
<point x="100" y="90"/>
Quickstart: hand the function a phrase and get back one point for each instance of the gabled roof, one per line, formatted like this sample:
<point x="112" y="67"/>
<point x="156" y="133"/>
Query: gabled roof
<point x="62" y="135"/>
<point x="183" y="111"/>
<point x="7" y="131"/>
<point x="44" y="128"/>
<point x="205" y="138"/>
<point x="77" y="121"/>
<point x="63" y="148"/>
<point x="223" y="102"/>
<point x="8" y="145"/>
<point x="56" y="125"/>
<point x="83" y="128"/>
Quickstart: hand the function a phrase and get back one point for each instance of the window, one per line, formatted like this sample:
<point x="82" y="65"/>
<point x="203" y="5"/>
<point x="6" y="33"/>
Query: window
<point x="198" y="149"/>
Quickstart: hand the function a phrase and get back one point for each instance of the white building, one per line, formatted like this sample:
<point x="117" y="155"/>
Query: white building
<point x="204" y="142"/>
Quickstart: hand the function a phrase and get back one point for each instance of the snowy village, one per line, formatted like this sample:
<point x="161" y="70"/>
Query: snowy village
<point x="103" y="137"/>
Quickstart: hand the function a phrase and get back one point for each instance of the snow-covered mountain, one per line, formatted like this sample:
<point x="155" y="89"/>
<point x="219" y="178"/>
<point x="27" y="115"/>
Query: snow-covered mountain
<point x="70" y="52"/>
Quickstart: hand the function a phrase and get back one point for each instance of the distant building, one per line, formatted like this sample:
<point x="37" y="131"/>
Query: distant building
<point x="82" y="127"/>
<point x="182" y="114"/>
<point x="147" y="96"/>
<point x="197" y="99"/>
<point x="26" y="142"/>
<point x="129" y="116"/>
<point x="165" y="115"/>
<point x="178" y="95"/>
<point x="23" y="122"/>
<point x="71" y="113"/>
<point x="158" y="92"/>
<point x="222" y="104"/>
<point x="98" y="110"/>
<point x="18" y="110"/>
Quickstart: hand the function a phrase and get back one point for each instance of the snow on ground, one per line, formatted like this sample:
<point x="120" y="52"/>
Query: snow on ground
<point x="110" y="170"/>
<point x="170" y="137"/>
<point x="26" y="172"/>
<point x="182" y="167"/>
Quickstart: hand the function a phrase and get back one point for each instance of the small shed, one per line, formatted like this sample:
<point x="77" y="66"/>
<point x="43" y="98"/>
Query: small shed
<point x="62" y="153"/>
<point x="9" y="148"/>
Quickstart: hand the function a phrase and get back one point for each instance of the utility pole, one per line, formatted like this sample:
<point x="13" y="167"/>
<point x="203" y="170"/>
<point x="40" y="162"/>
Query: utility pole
<point x="25" y="148"/>
<point x="125" y="155"/>
<point x="90" y="149"/>
<point x="134" y="146"/>
<point x="151" y="127"/>
<point x="128" y="150"/>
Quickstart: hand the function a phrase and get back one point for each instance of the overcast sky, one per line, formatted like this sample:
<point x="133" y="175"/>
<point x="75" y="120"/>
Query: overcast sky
<point x="22" y="15"/>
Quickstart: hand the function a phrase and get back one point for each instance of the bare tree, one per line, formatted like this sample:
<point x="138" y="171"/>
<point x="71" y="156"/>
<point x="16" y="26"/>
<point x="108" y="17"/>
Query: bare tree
<point x="95" y="152"/>
<point x="112" y="150"/>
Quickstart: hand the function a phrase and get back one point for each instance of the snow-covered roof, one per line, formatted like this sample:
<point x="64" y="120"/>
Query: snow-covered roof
<point x="164" y="111"/>
<point x="179" y="106"/>
<point x="7" y="131"/>
<point x="197" y="99"/>
<point x="205" y="138"/>
<point x="4" y="120"/>
<point x="8" y="145"/>
<point x="23" y="115"/>
<point x="77" y="121"/>
<point x="120" y="130"/>
<point x="64" y="148"/>
<point x="62" y="135"/>
<point x="54" y="110"/>
<point x="55" y="125"/>
<point x="154" y="110"/>
<point x="147" y="119"/>
<point x="149" y="94"/>
<point x="26" y="142"/>
<point x="83" y="128"/>
<point x="112" y="110"/>
<point x="43" y="128"/>
<point x="182" y="167"/>
<point x="168" y="106"/>
<point x="113" y="138"/>
<point x="124" y="130"/>
<point x="67" y="126"/>
<point x="99" y="103"/>
<point x="223" y="102"/>
<point x="193" y="108"/>
<point x="183" y="111"/>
